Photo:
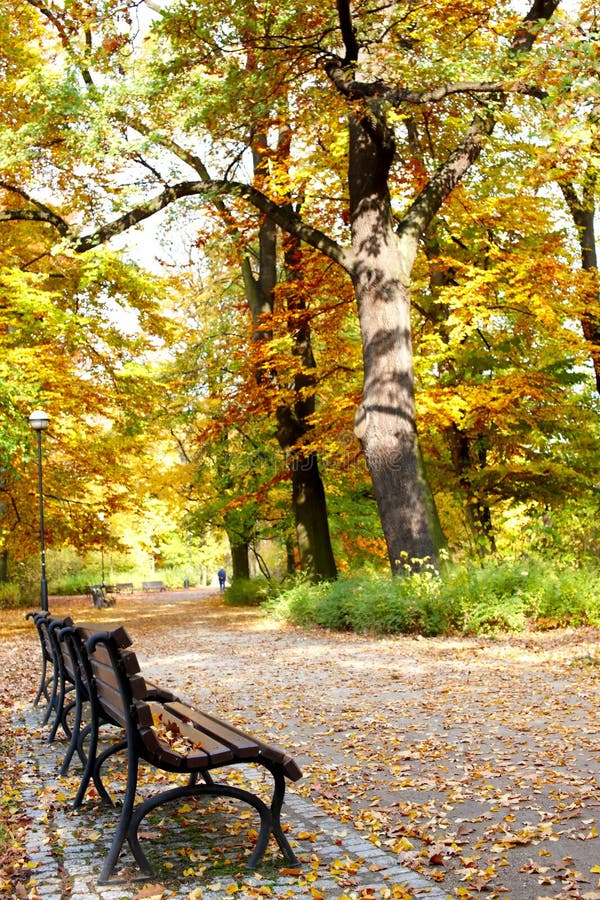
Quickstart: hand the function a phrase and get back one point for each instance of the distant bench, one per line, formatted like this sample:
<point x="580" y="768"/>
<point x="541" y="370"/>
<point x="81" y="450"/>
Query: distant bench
<point x="124" y="587"/>
<point x="153" y="586"/>
<point x="101" y="595"/>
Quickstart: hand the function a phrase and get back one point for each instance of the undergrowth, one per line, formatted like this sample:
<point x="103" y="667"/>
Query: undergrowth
<point x="469" y="599"/>
<point x="247" y="592"/>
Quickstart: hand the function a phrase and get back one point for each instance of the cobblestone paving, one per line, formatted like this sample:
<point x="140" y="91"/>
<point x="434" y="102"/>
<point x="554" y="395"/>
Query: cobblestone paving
<point x="67" y="848"/>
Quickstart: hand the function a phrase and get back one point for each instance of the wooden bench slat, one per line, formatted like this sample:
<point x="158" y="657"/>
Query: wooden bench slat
<point x="162" y="751"/>
<point x="114" y="711"/>
<point x="217" y="752"/>
<point x="269" y="751"/>
<point x="109" y="692"/>
<point x="242" y="744"/>
<point x="118" y="632"/>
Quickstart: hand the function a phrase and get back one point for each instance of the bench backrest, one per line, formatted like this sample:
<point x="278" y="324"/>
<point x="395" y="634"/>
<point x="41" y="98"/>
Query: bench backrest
<point x="37" y="616"/>
<point x="116" y="672"/>
<point x="47" y="626"/>
<point x="124" y="696"/>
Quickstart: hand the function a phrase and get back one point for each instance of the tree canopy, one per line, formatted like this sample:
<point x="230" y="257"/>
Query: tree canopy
<point x="387" y="192"/>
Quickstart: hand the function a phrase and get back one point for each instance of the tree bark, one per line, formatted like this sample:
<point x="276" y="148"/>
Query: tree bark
<point x="309" y="504"/>
<point x="240" y="562"/>
<point x="385" y="419"/>
<point x="583" y="213"/>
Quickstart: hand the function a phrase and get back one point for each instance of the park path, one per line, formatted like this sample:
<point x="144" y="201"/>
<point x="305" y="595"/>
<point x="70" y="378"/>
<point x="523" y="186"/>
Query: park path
<point x="439" y="768"/>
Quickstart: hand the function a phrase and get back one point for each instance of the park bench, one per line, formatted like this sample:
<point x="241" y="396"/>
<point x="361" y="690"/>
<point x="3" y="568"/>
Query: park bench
<point x="161" y="730"/>
<point x="124" y="587"/>
<point x="54" y="685"/>
<point x="153" y="586"/>
<point x="68" y="687"/>
<point x="174" y="737"/>
<point x="46" y="677"/>
<point x="101" y="595"/>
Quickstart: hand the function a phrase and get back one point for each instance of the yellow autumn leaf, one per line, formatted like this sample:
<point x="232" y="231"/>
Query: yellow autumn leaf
<point x="403" y="845"/>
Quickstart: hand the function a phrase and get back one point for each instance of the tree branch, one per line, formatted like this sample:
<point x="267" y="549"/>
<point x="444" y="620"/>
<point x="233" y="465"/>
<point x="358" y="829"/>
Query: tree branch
<point x="361" y="90"/>
<point x="63" y="34"/>
<point x="283" y="216"/>
<point x="450" y="172"/>
<point x="41" y="213"/>
<point x="348" y="32"/>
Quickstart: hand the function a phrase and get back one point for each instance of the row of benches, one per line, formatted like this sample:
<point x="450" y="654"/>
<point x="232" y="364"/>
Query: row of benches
<point x="92" y="679"/>
<point x="127" y="587"/>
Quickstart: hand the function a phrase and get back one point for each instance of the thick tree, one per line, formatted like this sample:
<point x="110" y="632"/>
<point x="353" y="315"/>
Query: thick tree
<point x="466" y="84"/>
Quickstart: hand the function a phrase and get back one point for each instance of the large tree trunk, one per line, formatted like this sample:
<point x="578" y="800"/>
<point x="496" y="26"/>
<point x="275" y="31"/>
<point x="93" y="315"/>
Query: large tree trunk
<point x="583" y="212"/>
<point x="385" y="420"/>
<point x="308" y="493"/>
<point x="312" y="528"/>
<point x="240" y="563"/>
<point x="308" y="501"/>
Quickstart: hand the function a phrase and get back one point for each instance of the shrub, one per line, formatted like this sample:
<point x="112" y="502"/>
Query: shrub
<point x="370" y="603"/>
<point x="11" y="596"/>
<point x="507" y="595"/>
<point x="247" y="592"/>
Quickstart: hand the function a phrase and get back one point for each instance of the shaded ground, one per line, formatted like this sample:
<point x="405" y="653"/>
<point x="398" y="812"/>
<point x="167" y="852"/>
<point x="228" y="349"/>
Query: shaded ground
<point x="475" y="762"/>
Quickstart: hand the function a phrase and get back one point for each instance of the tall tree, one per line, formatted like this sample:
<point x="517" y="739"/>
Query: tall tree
<point x="467" y="78"/>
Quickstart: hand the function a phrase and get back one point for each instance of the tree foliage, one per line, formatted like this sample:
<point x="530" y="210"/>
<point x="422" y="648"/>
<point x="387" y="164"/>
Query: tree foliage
<point x="413" y="160"/>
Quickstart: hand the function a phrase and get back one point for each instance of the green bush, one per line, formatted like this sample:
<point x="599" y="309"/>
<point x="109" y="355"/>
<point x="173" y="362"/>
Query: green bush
<point x="485" y="599"/>
<point x="70" y="585"/>
<point x="247" y="592"/>
<point x="370" y="603"/>
<point x="11" y="596"/>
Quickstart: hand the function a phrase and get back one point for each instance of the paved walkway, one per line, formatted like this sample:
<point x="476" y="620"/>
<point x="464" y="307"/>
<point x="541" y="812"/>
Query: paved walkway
<point x="436" y="768"/>
<point x="66" y="848"/>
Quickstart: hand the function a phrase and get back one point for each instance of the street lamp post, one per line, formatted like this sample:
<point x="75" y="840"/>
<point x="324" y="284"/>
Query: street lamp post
<point x="101" y="518"/>
<point x="39" y="422"/>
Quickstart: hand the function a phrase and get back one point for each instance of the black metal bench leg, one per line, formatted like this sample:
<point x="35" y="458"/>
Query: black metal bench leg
<point x="44" y="682"/>
<point x="96" y="776"/>
<point x="276" y="806"/>
<point x="89" y="767"/>
<point x="75" y="737"/>
<point x="92" y="769"/>
<point x="61" y="711"/>
<point x="214" y="789"/>
<point x="52" y="699"/>
<point x="123" y="824"/>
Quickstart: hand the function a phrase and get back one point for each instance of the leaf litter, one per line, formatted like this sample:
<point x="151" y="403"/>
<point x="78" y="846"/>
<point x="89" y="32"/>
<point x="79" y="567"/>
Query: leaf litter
<point x="474" y="761"/>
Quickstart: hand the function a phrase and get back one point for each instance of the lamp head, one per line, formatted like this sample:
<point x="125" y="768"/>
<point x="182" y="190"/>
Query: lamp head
<point x="39" y="420"/>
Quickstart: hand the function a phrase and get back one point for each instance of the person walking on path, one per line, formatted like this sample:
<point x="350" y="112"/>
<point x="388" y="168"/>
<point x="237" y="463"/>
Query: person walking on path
<point x="222" y="576"/>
